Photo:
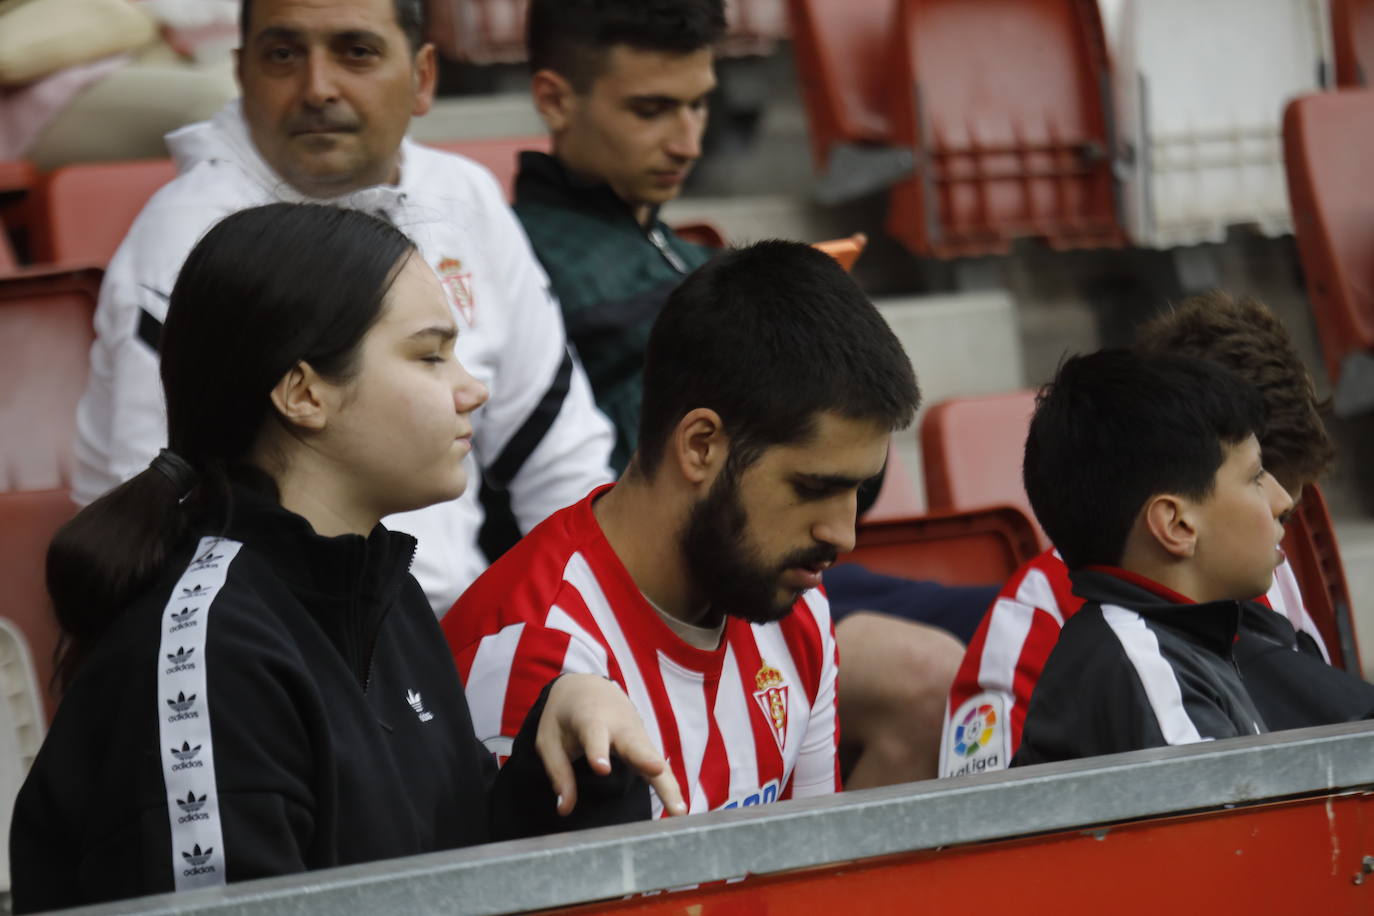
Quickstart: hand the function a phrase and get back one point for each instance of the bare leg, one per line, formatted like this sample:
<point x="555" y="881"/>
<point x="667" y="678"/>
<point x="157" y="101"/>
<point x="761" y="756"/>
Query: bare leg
<point x="894" y="680"/>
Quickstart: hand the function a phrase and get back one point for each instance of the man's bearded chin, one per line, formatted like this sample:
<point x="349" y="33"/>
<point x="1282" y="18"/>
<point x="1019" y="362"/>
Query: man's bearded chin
<point x="726" y="566"/>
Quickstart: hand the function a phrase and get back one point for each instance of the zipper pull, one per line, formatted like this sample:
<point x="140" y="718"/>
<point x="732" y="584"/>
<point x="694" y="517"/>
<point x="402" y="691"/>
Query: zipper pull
<point x="660" y="241"/>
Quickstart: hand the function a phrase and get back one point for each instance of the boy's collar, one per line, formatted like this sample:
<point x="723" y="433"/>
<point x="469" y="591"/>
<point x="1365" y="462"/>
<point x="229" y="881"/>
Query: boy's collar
<point x="1213" y="624"/>
<point x="1145" y="582"/>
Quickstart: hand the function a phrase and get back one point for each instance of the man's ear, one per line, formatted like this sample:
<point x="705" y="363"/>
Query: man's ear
<point x="553" y="98"/>
<point x="699" y="446"/>
<point x="1169" y="521"/>
<point x="426" y="77"/>
<point x="302" y="398"/>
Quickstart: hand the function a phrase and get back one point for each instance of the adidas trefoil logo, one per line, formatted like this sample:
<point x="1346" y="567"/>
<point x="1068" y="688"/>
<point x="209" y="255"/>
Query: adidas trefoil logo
<point x="186" y="758"/>
<point x="190" y="806"/>
<point x="184" y="619"/>
<point x="199" y="591"/>
<point x="182" y="708"/>
<point x="417" y="704"/>
<point x="181" y="660"/>
<point x="197" y="860"/>
<point x="207" y="560"/>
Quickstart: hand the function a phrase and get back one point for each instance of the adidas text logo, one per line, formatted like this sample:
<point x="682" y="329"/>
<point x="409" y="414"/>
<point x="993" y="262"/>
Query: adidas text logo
<point x="417" y="704"/>
<point x="186" y="756"/>
<point x="199" y="591"/>
<point x="191" y="806"/>
<point x="197" y="860"/>
<point x="182" y="709"/>
<point x="185" y="619"/>
<point x="181" y="660"/>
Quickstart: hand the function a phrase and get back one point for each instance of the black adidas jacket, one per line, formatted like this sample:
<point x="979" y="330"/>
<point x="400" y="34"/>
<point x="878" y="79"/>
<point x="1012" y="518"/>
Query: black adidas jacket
<point x="279" y="702"/>
<point x="1133" y="669"/>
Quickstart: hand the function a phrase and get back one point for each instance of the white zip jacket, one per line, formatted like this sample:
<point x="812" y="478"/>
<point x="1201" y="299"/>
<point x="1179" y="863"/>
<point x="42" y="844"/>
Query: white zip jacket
<point x="539" y="434"/>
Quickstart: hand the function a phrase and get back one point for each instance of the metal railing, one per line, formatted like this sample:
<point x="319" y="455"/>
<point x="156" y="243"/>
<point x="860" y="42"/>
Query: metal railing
<point x="618" y="861"/>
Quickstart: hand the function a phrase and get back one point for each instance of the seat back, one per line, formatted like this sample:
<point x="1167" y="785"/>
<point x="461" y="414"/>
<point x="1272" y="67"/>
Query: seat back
<point x="45" y="343"/>
<point x="1352" y="38"/>
<point x="971" y="452"/>
<point x="493" y="31"/>
<point x="499" y="154"/>
<point x="28" y="521"/>
<point x="1327" y="140"/>
<point x="1310" y="545"/>
<point x="86" y="210"/>
<point x="1005" y="107"/>
<point x="841" y="54"/>
<point x="954" y="548"/>
<point x="1201" y="90"/>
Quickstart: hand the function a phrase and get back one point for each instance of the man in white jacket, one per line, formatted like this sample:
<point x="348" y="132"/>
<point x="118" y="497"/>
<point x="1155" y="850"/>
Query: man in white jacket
<point x="329" y="87"/>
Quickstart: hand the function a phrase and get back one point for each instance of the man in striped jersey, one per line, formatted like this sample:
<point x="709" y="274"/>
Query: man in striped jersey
<point x="1006" y="655"/>
<point x="1146" y="473"/>
<point x="771" y="388"/>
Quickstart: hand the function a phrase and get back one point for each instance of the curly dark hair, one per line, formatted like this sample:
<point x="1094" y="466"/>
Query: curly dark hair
<point x="1243" y="335"/>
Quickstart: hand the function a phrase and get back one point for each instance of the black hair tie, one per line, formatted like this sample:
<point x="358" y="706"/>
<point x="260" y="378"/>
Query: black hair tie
<point x="178" y="470"/>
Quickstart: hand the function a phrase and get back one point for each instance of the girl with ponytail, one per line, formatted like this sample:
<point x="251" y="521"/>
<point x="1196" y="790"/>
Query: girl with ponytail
<point x="255" y="684"/>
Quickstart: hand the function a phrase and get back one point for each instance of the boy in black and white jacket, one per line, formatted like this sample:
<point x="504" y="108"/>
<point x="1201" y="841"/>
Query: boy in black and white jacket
<point x="1145" y="471"/>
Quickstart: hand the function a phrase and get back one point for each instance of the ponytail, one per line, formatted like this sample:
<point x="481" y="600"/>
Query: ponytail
<point x="106" y="556"/>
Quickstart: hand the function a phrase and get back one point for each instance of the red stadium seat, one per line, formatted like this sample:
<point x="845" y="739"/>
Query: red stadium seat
<point x="1003" y="107"/>
<point x="846" y="250"/>
<point x="897" y="498"/>
<point x="702" y="233"/>
<point x="971" y="452"/>
<point x="1327" y="140"/>
<point x="500" y="154"/>
<point x="841" y="51"/>
<point x="9" y="261"/>
<point x="86" y="210"/>
<point x="1352" y="35"/>
<point x="954" y="548"/>
<point x="18" y="178"/>
<point x="27" y="523"/>
<point x="493" y="31"/>
<point x="1310" y="545"/>
<point x="45" y="343"/>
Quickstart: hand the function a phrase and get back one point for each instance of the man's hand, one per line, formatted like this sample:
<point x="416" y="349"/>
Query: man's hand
<point x="589" y="716"/>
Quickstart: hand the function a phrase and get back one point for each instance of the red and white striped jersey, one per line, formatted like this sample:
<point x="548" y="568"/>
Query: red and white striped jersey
<point x="988" y="700"/>
<point x="749" y="722"/>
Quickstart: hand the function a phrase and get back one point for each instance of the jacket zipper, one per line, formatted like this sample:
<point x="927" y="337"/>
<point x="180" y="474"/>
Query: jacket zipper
<point x="660" y="241"/>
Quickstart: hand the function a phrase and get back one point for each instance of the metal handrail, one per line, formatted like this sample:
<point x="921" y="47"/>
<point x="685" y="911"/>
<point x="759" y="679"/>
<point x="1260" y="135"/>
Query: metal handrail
<point x="613" y="862"/>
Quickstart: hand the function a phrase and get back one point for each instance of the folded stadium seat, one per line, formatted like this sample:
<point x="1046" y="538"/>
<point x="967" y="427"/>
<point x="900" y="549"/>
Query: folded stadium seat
<point x="84" y="211"/>
<point x="28" y="521"/>
<point x="9" y="261"/>
<point x="45" y="343"/>
<point x="971" y="452"/>
<point x="1352" y="39"/>
<point x="1310" y="544"/>
<point x="708" y="234"/>
<point x="1328" y="141"/>
<point x="841" y="54"/>
<point x="1004" y="107"/>
<point x="500" y="154"/>
<point x="493" y="31"/>
<point x="1201" y="89"/>
<point x="954" y="548"/>
<point x="897" y="499"/>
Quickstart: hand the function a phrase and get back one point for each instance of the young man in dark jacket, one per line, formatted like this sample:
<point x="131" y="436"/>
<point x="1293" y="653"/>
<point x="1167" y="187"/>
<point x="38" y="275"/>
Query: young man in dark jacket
<point x="1146" y="473"/>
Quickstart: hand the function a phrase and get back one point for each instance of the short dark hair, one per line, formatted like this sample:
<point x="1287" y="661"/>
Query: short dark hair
<point x="571" y="37"/>
<point x="1116" y="428"/>
<point x="769" y="337"/>
<point x="1246" y="337"/>
<point x="263" y="291"/>
<point x="410" y="16"/>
